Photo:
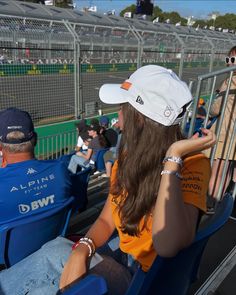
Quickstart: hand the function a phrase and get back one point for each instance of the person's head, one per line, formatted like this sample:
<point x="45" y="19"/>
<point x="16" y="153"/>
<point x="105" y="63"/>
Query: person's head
<point x="231" y="58"/>
<point x="94" y="130"/>
<point x="153" y="101"/>
<point x="115" y="123"/>
<point x="87" y="141"/>
<point x="17" y="133"/>
<point x="82" y="126"/>
<point x="104" y="121"/>
<point x="201" y="102"/>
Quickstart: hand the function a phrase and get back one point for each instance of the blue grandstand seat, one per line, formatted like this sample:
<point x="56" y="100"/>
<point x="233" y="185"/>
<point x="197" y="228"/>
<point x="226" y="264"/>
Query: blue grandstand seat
<point x="99" y="161"/>
<point x="66" y="158"/>
<point x="24" y="236"/>
<point x="90" y="285"/>
<point x="173" y="276"/>
<point x="79" y="189"/>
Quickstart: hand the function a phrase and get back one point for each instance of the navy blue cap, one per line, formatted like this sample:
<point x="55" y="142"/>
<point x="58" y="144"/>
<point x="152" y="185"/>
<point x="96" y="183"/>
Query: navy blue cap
<point x="104" y="120"/>
<point x="13" y="119"/>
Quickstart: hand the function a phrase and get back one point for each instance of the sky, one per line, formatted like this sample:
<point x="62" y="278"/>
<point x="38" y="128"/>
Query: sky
<point x="198" y="8"/>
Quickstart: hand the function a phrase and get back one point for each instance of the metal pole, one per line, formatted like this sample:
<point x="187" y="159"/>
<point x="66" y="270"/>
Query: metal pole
<point x="77" y="70"/>
<point x="181" y="63"/>
<point x="140" y="45"/>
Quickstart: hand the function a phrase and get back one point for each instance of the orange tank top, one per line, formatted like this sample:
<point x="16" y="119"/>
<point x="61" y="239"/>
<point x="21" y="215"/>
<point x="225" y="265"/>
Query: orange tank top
<point x="196" y="174"/>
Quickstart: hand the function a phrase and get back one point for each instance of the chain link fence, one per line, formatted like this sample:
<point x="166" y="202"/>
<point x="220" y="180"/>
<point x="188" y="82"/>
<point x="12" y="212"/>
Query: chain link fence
<point x="53" y="61"/>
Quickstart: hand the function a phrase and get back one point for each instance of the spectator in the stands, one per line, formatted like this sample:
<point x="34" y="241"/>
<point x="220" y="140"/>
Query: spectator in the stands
<point x="110" y="134"/>
<point x="87" y="158"/>
<point x="111" y="156"/>
<point x="200" y="117"/>
<point x="226" y="131"/>
<point x="83" y="136"/>
<point x="28" y="185"/>
<point x="115" y="124"/>
<point x="201" y="111"/>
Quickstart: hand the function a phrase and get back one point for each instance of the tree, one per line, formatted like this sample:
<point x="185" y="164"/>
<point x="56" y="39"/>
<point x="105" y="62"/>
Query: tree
<point x="174" y="18"/>
<point x="157" y="12"/>
<point x="131" y="8"/>
<point x="199" y="23"/>
<point x="64" y="3"/>
<point x="58" y="3"/>
<point x="228" y="21"/>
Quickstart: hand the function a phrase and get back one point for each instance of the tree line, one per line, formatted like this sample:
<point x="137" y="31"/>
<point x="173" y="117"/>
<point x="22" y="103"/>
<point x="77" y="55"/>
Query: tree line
<point x="58" y="3"/>
<point x="227" y="21"/>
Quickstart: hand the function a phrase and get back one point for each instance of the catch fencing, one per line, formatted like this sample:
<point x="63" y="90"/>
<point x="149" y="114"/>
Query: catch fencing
<point x="53" y="61"/>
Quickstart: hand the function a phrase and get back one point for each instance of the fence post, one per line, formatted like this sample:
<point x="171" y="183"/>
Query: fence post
<point x="140" y="45"/>
<point x="212" y="57"/>
<point x="77" y="70"/>
<point x="181" y="63"/>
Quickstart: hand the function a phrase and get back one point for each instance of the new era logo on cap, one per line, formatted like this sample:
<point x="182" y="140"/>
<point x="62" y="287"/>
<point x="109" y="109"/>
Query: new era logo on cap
<point x="139" y="100"/>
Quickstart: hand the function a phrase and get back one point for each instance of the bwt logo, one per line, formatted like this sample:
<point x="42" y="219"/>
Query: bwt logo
<point x="23" y="208"/>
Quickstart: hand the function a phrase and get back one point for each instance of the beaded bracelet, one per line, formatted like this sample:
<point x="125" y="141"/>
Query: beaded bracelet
<point x="176" y="173"/>
<point x="174" y="159"/>
<point x="88" y="242"/>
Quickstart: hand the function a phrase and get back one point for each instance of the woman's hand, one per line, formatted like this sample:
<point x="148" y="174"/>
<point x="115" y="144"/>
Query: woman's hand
<point x="74" y="268"/>
<point x="194" y="144"/>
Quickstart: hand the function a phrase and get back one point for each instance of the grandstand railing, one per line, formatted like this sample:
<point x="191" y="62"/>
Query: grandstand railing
<point x="54" y="146"/>
<point x="211" y="79"/>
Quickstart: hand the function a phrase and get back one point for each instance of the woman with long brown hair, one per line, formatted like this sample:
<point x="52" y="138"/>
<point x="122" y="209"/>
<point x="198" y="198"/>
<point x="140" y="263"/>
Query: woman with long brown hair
<point x="159" y="183"/>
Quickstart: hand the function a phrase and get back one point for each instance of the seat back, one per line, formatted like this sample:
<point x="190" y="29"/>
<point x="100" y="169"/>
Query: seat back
<point x="66" y="158"/>
<point x="90" y="285"/>
<point x="24" y="236"/>
<point x="173" y="276"/>
<point x="99" y="161"/>
<point x="79" y="189"/>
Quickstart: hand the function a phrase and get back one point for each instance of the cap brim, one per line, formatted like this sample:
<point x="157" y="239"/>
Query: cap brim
<point x="112" y="94"/>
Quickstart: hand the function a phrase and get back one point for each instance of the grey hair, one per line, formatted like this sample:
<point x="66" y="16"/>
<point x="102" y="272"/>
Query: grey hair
<point x="27" y="146"/>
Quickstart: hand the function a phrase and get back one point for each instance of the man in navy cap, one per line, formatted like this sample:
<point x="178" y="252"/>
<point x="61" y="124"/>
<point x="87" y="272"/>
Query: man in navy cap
<point x="110" y="134"/>
<point x="27" y="185"/>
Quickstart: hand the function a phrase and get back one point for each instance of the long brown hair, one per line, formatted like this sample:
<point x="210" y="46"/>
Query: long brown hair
<point x="143" y="146"/>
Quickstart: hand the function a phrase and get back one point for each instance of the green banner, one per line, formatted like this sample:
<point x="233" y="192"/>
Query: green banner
<point x="65" y="69"/>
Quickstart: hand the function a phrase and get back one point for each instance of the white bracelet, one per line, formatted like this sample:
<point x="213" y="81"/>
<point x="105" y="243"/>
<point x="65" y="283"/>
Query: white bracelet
<point x="89" y="240"/>
<point x="176" y="173"/>
<point x="85" y="243"/>
<point x="174" y="159"/>
<point x="89" y="246"/>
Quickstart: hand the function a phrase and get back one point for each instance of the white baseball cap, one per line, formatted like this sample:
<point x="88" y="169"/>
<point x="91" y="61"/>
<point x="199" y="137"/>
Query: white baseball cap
<point x="154" y="91"/>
